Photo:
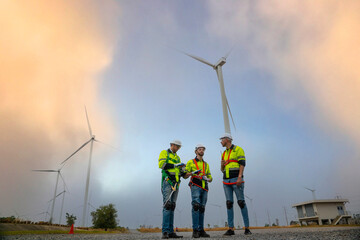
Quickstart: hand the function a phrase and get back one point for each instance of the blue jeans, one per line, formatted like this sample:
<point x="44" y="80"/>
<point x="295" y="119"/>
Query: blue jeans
<point x="239" y="192"/>
<point x="168" y="215"/>
<point x="199" y="199"/>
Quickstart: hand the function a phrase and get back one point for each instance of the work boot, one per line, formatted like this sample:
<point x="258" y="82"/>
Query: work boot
<point x="204" y="234"/>
<point x="196" y="234"/>
<point x="229" y="232"/>
<point x="247" y="231"/>
<point x="173" y="235"/>
<point x="165" y="235"/>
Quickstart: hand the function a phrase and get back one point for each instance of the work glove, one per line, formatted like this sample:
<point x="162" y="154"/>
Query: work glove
<point x="180" y="165"/>
<point x="196" y="172"/>
<point x="205" y="178"/>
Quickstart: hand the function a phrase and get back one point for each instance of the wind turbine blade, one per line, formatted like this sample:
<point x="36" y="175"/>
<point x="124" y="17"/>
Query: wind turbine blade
<point x="76" y="151"/>
<point x="248" y="198"/>
<point x="107" y="145"/>
<point x="232" y="48"/>
<point x="66" y="188"/>
<point x="199" y="59"/>
<point x="87" y="118"/>
<point x="232" y="119"/>
<point x="91" y="205"/>
<point x="192" y="56"/>
<point x="45" y="170"/>
<point x="59" y="194"/>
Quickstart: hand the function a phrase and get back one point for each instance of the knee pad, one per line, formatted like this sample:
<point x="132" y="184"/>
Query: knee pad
<point x="168" y="205"/>
<point x="196" y="206"/>
<point x="229" y="204"/>
<point x="173" y="205"/>
<point x="202" y="208"/>
<point x="241" y="203"/>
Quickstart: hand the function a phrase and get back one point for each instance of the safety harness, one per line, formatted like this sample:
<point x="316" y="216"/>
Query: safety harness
<point x="167" y="176"/>
<point x="227" y="171"/>
<point x="197" y="179"/>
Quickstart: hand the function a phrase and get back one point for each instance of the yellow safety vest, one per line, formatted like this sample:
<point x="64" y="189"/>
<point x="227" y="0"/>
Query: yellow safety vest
<point x="232" y="156"/>
<point x="193" y="165"/>
<point x="172" y="174"/>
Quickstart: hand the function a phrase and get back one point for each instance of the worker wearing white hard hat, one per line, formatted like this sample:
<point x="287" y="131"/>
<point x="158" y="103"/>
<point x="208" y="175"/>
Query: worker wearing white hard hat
<point x="172" y="169"/>
<point x="232" y="166"/>
<point x="199" y="171"/>
<point x="226" y="135"/>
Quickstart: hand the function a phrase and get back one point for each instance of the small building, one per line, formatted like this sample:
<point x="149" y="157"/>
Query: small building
<point x="326" y="211"/>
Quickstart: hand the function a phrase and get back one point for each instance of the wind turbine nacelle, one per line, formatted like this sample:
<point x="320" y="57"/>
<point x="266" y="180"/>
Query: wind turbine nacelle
<point x="221" y="62"/>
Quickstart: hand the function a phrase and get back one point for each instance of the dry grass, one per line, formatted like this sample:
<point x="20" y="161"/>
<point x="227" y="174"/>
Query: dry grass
<point x="149" y="230"/>
<point x="76" y="231"/>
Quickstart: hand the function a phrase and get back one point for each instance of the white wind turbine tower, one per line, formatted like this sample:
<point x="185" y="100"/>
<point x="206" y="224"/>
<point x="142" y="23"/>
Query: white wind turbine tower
<point x="66" y="190"/>
<point x="312" y="191"/>
<point x="91" y="141"/>
<point x="225" y="104"/>
<point x="57" y="180"/>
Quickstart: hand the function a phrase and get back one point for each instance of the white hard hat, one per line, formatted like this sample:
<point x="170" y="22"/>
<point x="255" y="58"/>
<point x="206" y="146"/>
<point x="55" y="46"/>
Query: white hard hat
<point x="226" y="135"/>
<point x="199" y="146"/>
<point x="176" y="142"/>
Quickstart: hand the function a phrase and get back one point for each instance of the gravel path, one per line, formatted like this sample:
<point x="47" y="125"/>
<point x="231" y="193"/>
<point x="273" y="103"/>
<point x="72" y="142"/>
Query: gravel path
<point x="333" y="233"/>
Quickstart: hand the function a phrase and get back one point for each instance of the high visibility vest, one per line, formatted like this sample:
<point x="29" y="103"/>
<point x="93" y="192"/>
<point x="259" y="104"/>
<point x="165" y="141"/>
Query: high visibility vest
<point x="232" y="156"/>
<point x="171" y="175"/>
<point x="196" y="180"/>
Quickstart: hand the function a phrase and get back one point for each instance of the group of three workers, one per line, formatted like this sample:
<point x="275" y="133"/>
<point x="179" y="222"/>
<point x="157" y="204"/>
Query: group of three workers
<point x="232" y="166"/>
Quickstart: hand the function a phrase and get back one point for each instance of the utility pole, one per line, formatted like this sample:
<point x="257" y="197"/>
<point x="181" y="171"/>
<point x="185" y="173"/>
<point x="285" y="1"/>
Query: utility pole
<point x="287" y="223"/>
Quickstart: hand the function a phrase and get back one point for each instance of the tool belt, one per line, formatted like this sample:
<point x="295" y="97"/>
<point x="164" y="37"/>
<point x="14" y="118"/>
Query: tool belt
<point x="171" y="179"/>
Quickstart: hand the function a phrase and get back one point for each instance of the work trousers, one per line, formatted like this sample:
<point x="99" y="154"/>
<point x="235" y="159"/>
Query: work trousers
<point x="239" y="193"/>
<point x="168" y="214"/>
<point x="199" y="199"/>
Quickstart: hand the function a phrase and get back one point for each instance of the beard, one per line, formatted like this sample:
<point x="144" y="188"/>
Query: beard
<point x="201" y="154"/>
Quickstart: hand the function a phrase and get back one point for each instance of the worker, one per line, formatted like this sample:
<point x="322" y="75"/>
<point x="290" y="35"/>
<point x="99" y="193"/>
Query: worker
<point x="199" y="171"/>
<point x="172" y="170"/>
<point x="232" y="166"/>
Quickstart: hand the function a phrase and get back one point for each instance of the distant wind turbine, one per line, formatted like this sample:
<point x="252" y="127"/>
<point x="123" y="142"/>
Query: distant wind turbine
<point x="91" y="141"/>
<point x="57" y="180"/>
<point x="225" y="104"/>
<point x="66" y="190"/>
<point x="312" y="191"/>
<point x="252" y="206"/>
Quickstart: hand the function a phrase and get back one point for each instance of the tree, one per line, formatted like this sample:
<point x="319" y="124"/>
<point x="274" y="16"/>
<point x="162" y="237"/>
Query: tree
<point x="105" y="217"/>
<point x="70" y="219"/>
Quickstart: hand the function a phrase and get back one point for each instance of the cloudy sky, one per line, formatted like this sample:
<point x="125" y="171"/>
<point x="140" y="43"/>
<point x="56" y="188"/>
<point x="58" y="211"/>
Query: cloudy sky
<point x="292" y="81"/>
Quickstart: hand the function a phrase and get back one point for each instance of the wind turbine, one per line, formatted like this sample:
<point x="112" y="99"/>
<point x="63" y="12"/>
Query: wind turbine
<point x="252" y="206"/>
<point x="220" y="212"/>
<point x="225" y="104"/>
<point x="312" y="191"/>
<point x="91" y="141"/>
<point x="63" y="192"/>
<point x="57" y="180"/>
